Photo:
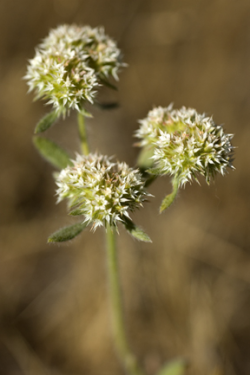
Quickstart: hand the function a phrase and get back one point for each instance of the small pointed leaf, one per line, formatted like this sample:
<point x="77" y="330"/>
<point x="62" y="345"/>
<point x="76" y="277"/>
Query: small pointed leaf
<point x="168" y="200"/>
<point x="145" y="160"/>
<point x="175" y="367"/>
<point x="54" y="154"/>
<point x="107" y="106"/>
<point x="46" y="122"/>
<point x="149" y="179"/>
<point x="154" y="171"/>
<point x="85" y="113"/>
<point x="108" y="84"/>
<point x="67" y="233"/>
<point x="136" y="232"/>
<point x="76" y="212"/>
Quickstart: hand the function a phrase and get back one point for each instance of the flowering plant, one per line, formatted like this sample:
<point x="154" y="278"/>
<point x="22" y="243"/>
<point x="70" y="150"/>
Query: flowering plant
<point x="70" y="63"/>
<point x="68" y="67"/>
<point x="185" y="144"/>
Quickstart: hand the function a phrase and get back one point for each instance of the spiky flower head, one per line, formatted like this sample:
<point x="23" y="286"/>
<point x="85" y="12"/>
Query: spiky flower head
<point x="186" y="144"/>
<point x="103" y="191"/>
<point x="69" y="63"/>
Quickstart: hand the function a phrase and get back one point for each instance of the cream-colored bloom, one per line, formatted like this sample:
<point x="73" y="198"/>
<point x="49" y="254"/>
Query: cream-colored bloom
<point x="103" y="191"/>
<point x="70" y="63"/>
<point x="186" y="144"/>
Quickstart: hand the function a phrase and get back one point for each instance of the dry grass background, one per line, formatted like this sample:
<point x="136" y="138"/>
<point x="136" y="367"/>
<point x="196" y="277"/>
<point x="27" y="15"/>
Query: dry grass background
<point x="187" y="293"/>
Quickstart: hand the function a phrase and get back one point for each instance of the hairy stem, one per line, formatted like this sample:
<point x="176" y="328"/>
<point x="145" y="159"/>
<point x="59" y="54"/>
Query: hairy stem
<point x="83" y="134"/>
<point x="127" y="358"/>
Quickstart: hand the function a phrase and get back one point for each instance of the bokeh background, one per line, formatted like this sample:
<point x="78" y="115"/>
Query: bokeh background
<point x="188" y="293"/>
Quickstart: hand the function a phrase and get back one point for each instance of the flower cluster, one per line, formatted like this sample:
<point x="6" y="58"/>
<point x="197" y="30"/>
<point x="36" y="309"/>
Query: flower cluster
<point x="186" y="143"/>
<point x="69" y="63"/>
<point x="103" y="191"/>
<point x="150" y="127"/>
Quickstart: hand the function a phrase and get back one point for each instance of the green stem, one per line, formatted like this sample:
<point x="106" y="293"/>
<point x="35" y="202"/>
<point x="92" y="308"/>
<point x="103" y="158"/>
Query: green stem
<point x="168" y="200"/>
<point x="120" y="338"/>
<point x="83" y="134"/>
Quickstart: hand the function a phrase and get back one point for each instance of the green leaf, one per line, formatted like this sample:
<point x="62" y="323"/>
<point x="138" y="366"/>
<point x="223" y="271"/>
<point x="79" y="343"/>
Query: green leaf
<point x="76" y="212"/>
<point x="108" y="84"/>
<point x="149" y="179"/>
<point x="67" y="233"/>
<point x="135" y="231"/>
<point x="168" y="200"/>
<point x="107" y="106"/>
<point x="54" y="154"/>
<point x="154" y="171"/>
<point x="46" y="122"/>
<point x="145" y="160"/>
<point x="85" y="113"/>
<point x="174" y="367"/>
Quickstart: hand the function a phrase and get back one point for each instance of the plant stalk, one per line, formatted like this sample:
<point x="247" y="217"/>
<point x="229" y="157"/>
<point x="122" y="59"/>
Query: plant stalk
<point x="83" y="134"/>
<point x="127" y="358"/>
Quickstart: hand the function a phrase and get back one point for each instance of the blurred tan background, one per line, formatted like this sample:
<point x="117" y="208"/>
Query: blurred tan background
<point x="187" y="294"/>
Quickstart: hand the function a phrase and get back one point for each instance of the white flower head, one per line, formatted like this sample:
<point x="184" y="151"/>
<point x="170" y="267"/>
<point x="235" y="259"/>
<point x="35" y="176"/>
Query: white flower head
<point x="186" y="144"/>
<point x="150" y="127"/>
<point x="69" y="64"/>
<point x="103" y="191"/>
